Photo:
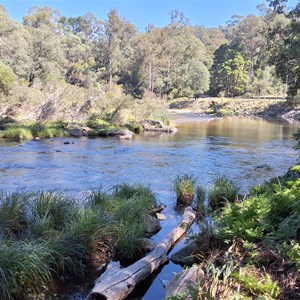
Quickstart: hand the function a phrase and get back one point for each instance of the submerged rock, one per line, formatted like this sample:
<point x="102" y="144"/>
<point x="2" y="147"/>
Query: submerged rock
<point x="185" y="256"/>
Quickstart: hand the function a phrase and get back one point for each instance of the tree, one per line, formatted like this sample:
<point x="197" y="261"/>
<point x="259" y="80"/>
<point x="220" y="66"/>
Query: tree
<point x="229" y="72"/>
<point x="278" y="5"/>
<point x="46" y="56"/>
<point x="250" y="36"/>
<point x="284" y="45"/>
<point x="118" y="33"/>
<point x="7" y="78"/>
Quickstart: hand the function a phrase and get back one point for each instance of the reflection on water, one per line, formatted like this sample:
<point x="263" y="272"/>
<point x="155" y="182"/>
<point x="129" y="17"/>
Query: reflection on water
<point x="231" y="146"/>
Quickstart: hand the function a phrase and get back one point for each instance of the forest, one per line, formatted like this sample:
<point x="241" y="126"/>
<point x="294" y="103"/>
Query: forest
<point x="56" y="68"/>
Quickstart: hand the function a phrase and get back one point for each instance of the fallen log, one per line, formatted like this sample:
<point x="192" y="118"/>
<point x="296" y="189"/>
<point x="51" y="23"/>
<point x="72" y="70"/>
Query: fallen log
<point x="117" y="283"/>
<point x="168" y="129"/>
<point x="157" y="209"/>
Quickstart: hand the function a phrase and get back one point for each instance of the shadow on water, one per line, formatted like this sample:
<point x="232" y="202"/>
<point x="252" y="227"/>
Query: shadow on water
<point x="236" y="147"/>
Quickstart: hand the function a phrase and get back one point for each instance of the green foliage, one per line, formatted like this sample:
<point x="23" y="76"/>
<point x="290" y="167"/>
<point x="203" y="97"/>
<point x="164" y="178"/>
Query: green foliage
<point x="270" y="214"/>
<point x="17" y="132"/>
<point x="223" y="189"/>
<point x="47" y="234"/>
<point x="7" y="78"/>
<point x="245" y="219"/>
<point x="200" y="199"/>
<point x="135" y="127"/>
<point x="229" y="72"/>
<point x="257" y="284"/>
<point x="184" y="187"/>
<point x="162" y="117"/>
<point x="13" y="213"/>
<point x="292" y="251"/>
<point x="24" y="268"/>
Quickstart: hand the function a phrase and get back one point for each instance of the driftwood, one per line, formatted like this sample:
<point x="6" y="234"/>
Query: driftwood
<point x="157" y="209"/>
<point x="117" y="283"/>
<point x="163" y="129"/>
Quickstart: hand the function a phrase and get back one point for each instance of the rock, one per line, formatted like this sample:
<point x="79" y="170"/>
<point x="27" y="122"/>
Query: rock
<point x="86" y="129"/>
<point x="125" y="137"/>
<point x="148" y="245"/>
<point x="184" y="282"/>
<point x="263" y="167"/>
<point x="36" y="138"/>
<point x="76" y="132"/>
<point x="161" y="217"/>
<point x="67" y="143"/>
<point x="122" y="134"/>
<point x="185" y="255"/>
<point x="152" y="224"/>
<point x="150" y="124"/>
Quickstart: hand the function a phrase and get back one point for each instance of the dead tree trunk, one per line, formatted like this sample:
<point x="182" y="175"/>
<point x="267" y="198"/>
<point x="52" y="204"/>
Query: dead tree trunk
<point x="117" y="283"/>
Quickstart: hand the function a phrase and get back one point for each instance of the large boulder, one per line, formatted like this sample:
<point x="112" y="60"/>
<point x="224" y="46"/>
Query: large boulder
<point x="122" y="134"/>
<point x="76" y="132"/>
<point x="152" y="224"/>
<point x="184" y="282"/>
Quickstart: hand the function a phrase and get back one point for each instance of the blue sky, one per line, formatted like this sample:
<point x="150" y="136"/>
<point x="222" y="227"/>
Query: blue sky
<point x="210" y="13"/>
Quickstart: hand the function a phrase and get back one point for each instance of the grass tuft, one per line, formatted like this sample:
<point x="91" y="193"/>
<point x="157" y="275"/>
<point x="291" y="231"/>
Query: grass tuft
<point x="222" y="190"/>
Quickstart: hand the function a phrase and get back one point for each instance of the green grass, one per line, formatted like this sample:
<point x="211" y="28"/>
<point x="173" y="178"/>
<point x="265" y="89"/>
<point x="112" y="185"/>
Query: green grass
<point x="50" y="133"/>
<point x="223" y="189"/>
<point x="22" y="133"/>
<point x="200" y="200"/>
<point x="185" y="187"/>
<point x="46" y="234"/>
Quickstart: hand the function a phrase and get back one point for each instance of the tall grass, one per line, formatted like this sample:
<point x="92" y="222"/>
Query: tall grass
<point x="18" y="132"/>
<point x="46" y="234"/>
<point x="223" y="189"/>
<point x="184" y="187"/>
<point x="13" y="213"/>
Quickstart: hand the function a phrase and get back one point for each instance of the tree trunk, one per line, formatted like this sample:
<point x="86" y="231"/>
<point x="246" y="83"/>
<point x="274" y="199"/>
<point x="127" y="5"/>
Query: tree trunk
<point x="117" y="283"/>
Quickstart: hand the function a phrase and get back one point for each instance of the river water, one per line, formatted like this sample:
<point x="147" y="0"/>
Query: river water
<point x="232" y="146"/>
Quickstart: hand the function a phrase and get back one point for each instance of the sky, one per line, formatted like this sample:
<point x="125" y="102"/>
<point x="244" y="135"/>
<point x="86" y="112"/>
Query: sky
<point x="209" y="13"/>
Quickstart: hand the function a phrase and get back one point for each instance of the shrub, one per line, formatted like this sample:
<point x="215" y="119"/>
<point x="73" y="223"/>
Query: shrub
<point x="184" y="187"/>
<point x="246" y="219"/>
<point x="222" y="190"/>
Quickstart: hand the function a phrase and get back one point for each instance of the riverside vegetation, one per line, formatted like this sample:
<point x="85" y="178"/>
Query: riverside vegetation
<point x="248" y="248"/>
<point x="78" y="69"/>
<point x="45" y="235"/>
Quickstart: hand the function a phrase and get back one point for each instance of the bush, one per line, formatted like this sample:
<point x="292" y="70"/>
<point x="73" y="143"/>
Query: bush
<point x="184" y="187"/>
<point x="222" y="190"/>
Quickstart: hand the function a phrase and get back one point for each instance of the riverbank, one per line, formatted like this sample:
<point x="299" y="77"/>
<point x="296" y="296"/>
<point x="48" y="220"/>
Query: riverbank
<point x="251" y="249"/>
<point x="266" y="108"/>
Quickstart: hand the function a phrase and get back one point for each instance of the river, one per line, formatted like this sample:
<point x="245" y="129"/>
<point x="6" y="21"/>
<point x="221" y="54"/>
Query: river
<point x="232" y="146"/>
